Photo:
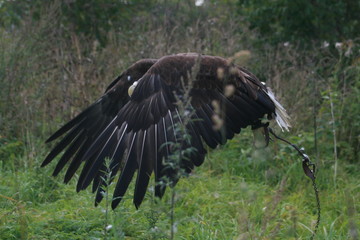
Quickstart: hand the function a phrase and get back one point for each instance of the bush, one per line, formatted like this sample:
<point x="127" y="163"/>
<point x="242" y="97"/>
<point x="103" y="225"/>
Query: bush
<point x="302" y="21"/>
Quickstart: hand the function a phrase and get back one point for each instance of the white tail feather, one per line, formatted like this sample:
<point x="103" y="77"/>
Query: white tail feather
<point x="282" y="118"/>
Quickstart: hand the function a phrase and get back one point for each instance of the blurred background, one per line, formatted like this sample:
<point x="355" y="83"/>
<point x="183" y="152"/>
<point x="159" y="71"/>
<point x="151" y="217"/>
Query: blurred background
<point x="56" y="57"/>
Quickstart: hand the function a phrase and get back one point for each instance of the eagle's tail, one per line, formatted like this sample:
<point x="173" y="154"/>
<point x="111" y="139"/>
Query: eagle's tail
<point x="281" y="117"/>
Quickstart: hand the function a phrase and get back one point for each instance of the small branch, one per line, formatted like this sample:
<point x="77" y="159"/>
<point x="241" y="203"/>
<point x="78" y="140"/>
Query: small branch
<point x="172" y="214"/>
<point x="334" y="136"/>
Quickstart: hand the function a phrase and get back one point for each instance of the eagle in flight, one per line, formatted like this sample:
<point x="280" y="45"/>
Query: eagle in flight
<point x="156" y="109"/>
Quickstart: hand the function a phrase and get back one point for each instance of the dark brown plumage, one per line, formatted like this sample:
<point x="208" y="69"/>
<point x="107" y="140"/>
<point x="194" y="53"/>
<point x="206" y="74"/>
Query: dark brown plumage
<point x="133" y="131"/>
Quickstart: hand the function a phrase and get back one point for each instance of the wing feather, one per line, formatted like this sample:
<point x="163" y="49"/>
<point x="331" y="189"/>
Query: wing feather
<point x="74" y="146"/>
<point x="62" y="144"/>
<point x="146" y="167"/>
<point x="127" y="173"/>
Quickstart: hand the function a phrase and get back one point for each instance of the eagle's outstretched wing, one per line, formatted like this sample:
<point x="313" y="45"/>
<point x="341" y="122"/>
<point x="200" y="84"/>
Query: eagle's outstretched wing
<point x="180" y="102"/>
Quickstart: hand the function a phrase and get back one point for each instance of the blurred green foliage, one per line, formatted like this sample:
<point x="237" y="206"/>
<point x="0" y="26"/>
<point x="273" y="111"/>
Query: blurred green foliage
<point x="278" y="20"/>
<point x="304" y="21"/>
<point x="92" y="18"/>
<point x="10" y="151"/>
<point x="96" y="18"/>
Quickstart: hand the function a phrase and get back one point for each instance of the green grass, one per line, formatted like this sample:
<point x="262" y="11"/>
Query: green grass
<point x="238" y="193"/>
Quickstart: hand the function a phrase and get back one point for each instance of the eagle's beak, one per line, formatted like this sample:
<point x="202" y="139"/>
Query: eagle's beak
<point x="132" y="87"/>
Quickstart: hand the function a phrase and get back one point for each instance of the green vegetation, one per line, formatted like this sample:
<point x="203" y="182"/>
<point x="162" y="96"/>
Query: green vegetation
<point x="56" y="57"/>
<point x="281" y="20"/>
